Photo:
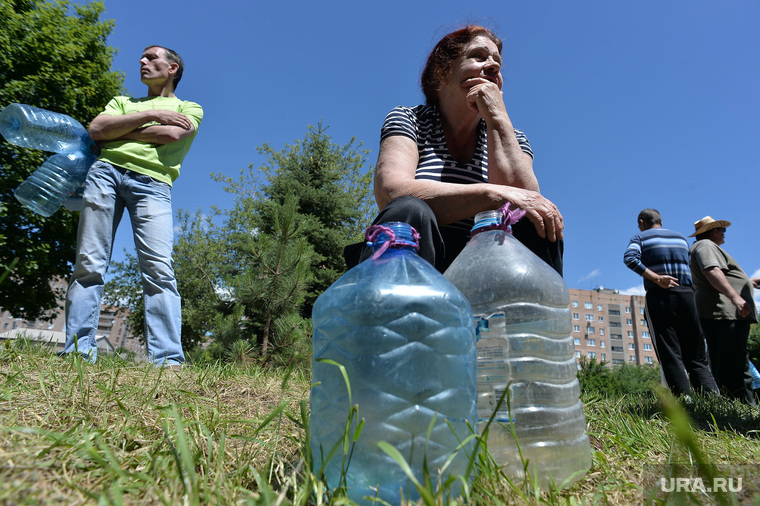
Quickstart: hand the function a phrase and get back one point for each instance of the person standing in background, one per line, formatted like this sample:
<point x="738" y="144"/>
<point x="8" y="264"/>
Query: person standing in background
<point x="726" y="308"/>
<point x="661" y="256"/>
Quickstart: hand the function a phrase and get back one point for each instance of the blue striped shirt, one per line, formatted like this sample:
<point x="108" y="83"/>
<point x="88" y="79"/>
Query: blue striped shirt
<point x="663" y="252"/>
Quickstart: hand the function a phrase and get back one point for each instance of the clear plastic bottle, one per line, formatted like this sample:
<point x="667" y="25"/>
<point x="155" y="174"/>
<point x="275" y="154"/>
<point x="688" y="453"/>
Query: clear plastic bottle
<point x="35" y="128"/>
<point x="54" y="182"/>
<point x="522" y="314"/>
<point x="406" y="338"/>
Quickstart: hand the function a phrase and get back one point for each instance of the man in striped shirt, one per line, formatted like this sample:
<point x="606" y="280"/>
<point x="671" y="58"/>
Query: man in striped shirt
<point x="661" y="256"/>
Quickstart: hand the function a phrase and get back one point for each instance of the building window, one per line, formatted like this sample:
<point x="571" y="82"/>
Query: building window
<point x="631" y="346"/>
<point x="588" y="305"/>
<point x="590" y="354"/>
<point x="649" y="360"/>
<point x="600" y="307"/>
<point x="616" y="348"/>
<point x="616" y="361"/>
<point x="632" y="358"/>
<point x="645" y="335"/>
<point x="589" y="317"/>
<point x="600" y="319"/>
<point x="616" y="336"/>
<point x="575" y="303"/>
<point x="602" y="344"/>
<point x="647" y="347"/>
<point x="630" y="333"/>
<point x="627" y="310"/>
<point x="613" y="312"/>
<point x="577" y="341"/>
<point x="641" y="310"/>
<point x="590" y="330"/>
<point x="591" y="342"/>
<point x="643" y="323"/>
<point x="628" y="321"/>
<point x="576" y="328"/>
<point x="577" y="354"/>
<point x="614" y="324"/>
<point x="601" y="332"/>
<point x="576" y="316"/>
<point x="604" y="357"/>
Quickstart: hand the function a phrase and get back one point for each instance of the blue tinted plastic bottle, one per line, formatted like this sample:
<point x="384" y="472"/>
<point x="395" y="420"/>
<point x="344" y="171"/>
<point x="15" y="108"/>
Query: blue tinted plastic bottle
<point x="55" y="181"/>
<point x="31" y="127"/>
<point x="406" y="338"/>
<point x="521" y="308"/>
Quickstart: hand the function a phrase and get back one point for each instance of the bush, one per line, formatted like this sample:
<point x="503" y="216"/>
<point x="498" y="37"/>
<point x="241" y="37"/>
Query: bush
<point x="598" y="379"/>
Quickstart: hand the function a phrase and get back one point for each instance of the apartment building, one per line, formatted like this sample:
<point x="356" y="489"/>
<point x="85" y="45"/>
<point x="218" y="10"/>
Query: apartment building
<point x="610" y="327"/>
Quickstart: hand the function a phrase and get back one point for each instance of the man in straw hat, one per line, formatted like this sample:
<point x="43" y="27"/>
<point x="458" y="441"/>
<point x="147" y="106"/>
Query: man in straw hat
<point x="726" y="307"/>
<point x="661" y="256"/>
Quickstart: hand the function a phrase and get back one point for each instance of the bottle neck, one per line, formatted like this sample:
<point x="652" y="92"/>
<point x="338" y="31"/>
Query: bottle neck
<point x="501" y="219"/>
<point x="485" y="221"/>
<point x="396" y="235"/>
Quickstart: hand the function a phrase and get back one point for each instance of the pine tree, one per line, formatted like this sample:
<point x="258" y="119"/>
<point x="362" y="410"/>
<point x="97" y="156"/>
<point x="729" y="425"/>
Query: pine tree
<point x="334" y="198"/>
<point x="275" y="279"/>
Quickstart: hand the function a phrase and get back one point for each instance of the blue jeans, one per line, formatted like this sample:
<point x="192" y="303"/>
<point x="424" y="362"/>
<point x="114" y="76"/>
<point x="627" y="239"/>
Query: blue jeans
<point x="108" y="190"/>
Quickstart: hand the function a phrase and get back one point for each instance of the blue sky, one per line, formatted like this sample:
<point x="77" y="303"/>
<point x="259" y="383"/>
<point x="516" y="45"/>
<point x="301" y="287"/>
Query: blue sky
<point x="627" y="105"/>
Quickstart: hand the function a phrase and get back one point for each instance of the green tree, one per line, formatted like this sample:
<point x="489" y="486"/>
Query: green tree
<point x="199" y="254"/>
<point x="597" y="379"/>
<point x="274" y="281"/>
<point x="637" y="379"/>
<point x="334" y="197"/>
<point x="753" y="344"/>
<point x="54" y="56"/>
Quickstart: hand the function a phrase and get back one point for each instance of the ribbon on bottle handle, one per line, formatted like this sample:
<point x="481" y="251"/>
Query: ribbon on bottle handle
<point x="508" y="218"/>
<point x="373" y="232"/>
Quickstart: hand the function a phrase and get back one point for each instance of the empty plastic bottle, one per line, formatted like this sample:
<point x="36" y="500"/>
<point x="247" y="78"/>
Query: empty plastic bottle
<point x="406" y="339"/>
<point x="522" y="315"/>
<point x="32" y="127"/>
<point x="54" y="182"/>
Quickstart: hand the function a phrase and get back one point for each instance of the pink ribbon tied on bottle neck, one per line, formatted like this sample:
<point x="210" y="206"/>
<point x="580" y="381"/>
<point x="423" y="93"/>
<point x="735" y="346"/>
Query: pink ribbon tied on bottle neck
<point x="508" y="218"/>
<point x="373" y="232"/>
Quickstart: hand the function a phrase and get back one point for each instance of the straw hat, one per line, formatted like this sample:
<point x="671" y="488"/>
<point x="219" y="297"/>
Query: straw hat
<point x="707" y="223"/>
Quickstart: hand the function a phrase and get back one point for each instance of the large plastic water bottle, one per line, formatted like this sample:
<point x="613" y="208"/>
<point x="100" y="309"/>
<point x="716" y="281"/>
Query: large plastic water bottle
<point x="522" y="314"/>
<point x="31" y="127"/>
<point x="406" y="339"/>
<point x="57" y="179"/>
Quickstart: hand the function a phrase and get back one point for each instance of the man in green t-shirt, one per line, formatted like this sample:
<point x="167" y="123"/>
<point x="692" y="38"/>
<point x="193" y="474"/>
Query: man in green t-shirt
<point x="726" y="308"/>
<point x="143" y="142"/>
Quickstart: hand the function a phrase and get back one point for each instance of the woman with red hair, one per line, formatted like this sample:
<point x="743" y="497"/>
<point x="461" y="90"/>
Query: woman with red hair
<point x="441" y="163"/>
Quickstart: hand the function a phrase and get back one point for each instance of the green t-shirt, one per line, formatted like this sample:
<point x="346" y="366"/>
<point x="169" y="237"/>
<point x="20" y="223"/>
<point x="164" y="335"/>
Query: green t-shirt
<point x="159" y="161"/>
<point x="710" y="302"/>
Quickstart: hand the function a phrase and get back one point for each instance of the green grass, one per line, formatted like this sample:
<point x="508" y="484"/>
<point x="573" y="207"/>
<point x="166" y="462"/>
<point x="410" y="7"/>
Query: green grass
<point x="122" y="433"/>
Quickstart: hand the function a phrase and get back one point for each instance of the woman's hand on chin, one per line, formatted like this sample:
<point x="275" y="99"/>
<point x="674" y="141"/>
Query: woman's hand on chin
<point x="485" y="97"/>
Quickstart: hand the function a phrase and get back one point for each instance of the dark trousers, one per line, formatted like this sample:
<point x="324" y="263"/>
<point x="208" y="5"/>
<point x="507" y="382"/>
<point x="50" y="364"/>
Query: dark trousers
<point x="440" y="246"/>
<point x="680" y="343"/>
<point x="729" y="361"/>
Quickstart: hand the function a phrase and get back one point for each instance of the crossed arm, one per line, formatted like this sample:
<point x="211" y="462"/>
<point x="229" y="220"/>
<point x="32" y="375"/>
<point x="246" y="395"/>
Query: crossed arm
<point x="394" y="177"/>
<point x="173" y="127"/>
